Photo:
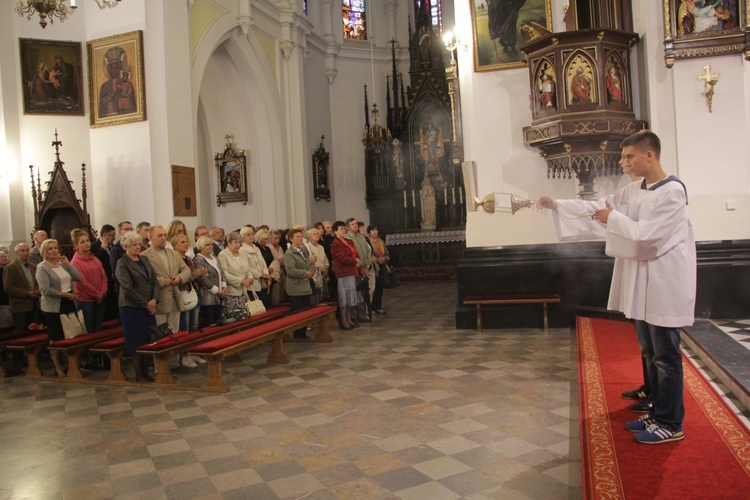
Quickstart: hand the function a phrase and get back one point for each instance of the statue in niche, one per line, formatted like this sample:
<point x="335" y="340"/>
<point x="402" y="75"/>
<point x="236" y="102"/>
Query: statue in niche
<point x="431" y="147"/>
<point x="580" y="84"/>
<point x="429" y="204"/>
<point x="546" y="91"/>
<point x="614" y="85"/>
<point x="398" y="163"/>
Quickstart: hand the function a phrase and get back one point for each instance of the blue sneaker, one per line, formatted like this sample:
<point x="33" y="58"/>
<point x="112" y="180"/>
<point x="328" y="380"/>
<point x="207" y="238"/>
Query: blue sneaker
<point x="657" y="434"/>
<point x="641" y="424"/>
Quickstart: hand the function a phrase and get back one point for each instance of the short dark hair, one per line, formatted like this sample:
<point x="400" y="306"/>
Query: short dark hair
<point x="141" y="225"/>
<point x="371" y="227"/>
<point x="360" y="223"/>
<point x="643" y="140"/>
<point x="119" y="226"/>
<point x="338" y="224"/>
<point x="292" y="232"/>
<point x="107" y="228"/>
<point x="349" y="220"/>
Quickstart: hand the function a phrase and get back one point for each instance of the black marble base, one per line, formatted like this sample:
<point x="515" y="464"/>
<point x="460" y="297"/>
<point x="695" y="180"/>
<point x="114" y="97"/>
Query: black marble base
<point x="730" y="357"/>
<point x="580" y="273"/>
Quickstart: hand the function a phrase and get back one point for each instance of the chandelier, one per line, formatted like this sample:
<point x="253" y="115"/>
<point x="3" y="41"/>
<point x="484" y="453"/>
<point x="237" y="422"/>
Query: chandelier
<point x="51" y="9"/>
<point x="375" y="138"/>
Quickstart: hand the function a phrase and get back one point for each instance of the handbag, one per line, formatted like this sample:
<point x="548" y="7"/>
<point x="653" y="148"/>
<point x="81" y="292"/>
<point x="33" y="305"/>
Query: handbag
<point x="362" y="282"/>
<point x="255" y="307"/>
<point x="188" y="299"/>
<point x="158" y="332"/>
<point x="73" y="324"/>
<point x="389" y="277"/>
<point x="317" y="278"/>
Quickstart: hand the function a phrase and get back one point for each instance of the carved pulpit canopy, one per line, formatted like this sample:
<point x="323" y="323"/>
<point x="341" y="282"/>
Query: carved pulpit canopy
<point x="582" y="102"/>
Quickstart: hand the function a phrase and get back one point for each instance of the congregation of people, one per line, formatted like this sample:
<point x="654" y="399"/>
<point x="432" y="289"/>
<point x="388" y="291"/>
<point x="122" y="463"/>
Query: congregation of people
<point x="152" y="275"/>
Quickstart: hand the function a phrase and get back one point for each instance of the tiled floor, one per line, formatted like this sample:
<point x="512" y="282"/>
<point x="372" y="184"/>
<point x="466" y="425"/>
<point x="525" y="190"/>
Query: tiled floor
<point x="738" y="329"/>
<point x="408" y="407"/>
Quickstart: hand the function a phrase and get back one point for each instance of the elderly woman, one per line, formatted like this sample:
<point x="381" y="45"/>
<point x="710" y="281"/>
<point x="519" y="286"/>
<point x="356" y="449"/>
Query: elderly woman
<point x="138" y="292"/>
<point x="212" y="289"/>
<point x="346" y="263"/>
<point x="261" y="278"/>
<point x="299" y="270"/>
<point x="188" y="319"/>
<point x="321" y="262"/>
<point x="55" y="276"/>
<point x="176" y="228"/>
<point x="238" y="274"/>
<point x="91" y="289"/>
<point x="380" y="251"/>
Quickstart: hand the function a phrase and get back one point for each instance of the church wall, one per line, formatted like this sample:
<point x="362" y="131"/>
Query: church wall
<point x="496" y="108"/>
<point x="318" y="99"/>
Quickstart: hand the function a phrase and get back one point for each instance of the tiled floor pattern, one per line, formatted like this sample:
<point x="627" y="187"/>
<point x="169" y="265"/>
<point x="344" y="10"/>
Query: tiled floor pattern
<point x="738" y="329"/>
<point x="408" y="407"/>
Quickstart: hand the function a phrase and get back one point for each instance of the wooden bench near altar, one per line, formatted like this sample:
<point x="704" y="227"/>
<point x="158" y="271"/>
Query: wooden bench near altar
<point x="479" y="301"/>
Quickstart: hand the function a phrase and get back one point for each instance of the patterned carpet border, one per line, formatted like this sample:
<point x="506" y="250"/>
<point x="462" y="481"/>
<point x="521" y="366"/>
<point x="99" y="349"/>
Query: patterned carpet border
<point x="597" y="443"/>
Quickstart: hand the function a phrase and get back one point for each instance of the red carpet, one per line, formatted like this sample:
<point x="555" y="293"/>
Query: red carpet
<point x="713" y="461"/>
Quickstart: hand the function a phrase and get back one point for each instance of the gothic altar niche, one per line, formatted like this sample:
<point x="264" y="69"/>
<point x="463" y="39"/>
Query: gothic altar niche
<point x="413" y="164"/>
<point x="57" y="210"/>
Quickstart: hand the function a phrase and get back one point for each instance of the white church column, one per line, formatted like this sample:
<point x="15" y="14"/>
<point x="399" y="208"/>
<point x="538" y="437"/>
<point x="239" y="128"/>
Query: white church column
<point x="294" y="29"/>
<point x="391" y="8"/>
<point x="332" y="48"/>
<point x="169" y="112"/>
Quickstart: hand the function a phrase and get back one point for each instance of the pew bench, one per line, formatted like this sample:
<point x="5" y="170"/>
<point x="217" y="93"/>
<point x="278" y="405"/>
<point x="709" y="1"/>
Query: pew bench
<point x="274" y="331"/>
<point x="164" y="349"/>
<point x="31" y="345"/>
<point x="7" y="338"/>
<point x="482" y="300"/>
<point x="73" y="348"/>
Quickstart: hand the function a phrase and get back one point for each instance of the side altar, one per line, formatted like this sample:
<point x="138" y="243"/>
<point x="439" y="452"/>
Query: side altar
<point x="413" y="173"/>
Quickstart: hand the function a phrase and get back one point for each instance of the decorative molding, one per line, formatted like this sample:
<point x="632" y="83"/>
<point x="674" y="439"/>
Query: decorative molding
<point x="245" y="22"/>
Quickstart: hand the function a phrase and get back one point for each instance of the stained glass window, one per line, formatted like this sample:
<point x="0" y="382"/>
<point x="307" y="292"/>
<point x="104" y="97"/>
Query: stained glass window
<point x="436" y="12"/>
<point x="354" y="18"/>
<point x="304" y="6"/>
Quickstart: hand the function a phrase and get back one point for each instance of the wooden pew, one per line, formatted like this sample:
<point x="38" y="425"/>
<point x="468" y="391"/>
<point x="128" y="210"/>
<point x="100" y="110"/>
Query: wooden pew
<point x="480" y="300"/>
<point x="31" y="345"/>
<point x="217" y="350"/>
<point x="164" y="349"/>
<point x="73" y="348"/>
<point x="6" y="338"/>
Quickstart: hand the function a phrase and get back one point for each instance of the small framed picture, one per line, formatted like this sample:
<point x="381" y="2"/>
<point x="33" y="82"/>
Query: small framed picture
<point x="231" y="175"/>
<point x="51" y="77"/>
<point x="702" y="28"/>
<point x="116" y="81"/>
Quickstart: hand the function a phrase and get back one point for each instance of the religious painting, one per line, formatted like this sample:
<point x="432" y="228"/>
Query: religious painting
<point x="116" y="82"/>
<point x="320" y="159"/>
<point x="183" y="191"/>
<point x="52" y="77"/>
<point x="701" y="28"/>
<point x="231" y="174"/>
<point x="497" y="25"/>
<point x="581" y="81"/>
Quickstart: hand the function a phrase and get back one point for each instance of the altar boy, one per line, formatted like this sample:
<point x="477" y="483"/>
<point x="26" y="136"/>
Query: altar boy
<point x="648" y="232"/>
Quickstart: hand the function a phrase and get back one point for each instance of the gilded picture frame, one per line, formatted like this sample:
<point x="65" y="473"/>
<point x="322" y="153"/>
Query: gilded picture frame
<point x="116" y="81"/>
<point x="52" y="77"/>
<point x="703" y="28"/>
<point x="496" y="29"/>
<point x="231" y="175"/>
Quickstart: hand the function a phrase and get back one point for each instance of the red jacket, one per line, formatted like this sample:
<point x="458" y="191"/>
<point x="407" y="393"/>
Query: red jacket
<point x="93" y="280"/>
<point x="344" y="258"/>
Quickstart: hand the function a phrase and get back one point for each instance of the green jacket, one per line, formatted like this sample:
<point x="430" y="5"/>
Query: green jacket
<point x="364" y="250"/>
<point x="296" y="267"/>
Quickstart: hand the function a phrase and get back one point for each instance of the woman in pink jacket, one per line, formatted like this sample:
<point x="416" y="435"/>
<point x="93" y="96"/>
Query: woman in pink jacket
<point x="91" y="290"/>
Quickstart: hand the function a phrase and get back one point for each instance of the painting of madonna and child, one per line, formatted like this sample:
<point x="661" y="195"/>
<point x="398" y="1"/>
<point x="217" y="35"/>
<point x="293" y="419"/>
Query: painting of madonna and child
<point x="51" y="77"/>
<point x="705" y="16"/>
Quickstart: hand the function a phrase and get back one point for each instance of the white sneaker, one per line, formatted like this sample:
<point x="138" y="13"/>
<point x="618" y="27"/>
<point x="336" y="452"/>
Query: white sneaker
<point x="188" y="363"/>
<point x="198" y="359"/>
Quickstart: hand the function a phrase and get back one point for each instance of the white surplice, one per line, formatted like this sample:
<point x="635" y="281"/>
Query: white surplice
<point x="651" y="238"/>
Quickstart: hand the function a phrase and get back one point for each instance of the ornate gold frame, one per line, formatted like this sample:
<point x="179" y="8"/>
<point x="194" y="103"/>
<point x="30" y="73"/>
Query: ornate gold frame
<point x="707" y="43"/>
<point x="130" y="47"/>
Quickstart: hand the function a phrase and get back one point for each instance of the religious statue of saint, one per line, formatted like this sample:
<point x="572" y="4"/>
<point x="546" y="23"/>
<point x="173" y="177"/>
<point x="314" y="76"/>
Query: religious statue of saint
<point x="580" y="84"/>
<point x="546" y="91"/>
<point x="398" y="159"/>
<point x="427" y="195"/>
<point x="614" y="87"/>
